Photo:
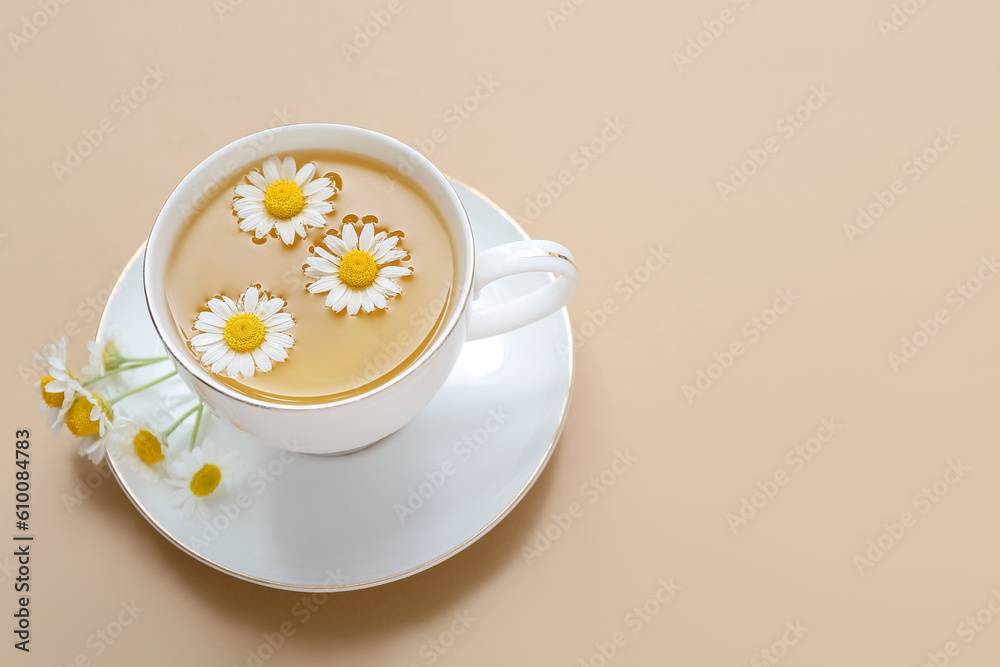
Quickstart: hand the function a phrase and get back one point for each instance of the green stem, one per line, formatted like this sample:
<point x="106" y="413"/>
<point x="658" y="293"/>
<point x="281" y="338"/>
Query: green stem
<point x="142" y="387"/>
<point x="173" y="427"/>
<point x="197" y="425"/>
<point x="143" y="360"/>
<point x="120" y="369"/>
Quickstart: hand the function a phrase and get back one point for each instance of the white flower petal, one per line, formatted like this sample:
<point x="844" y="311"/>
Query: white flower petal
<point x="261" y="359"/>
<point x="366" y="238"/>
<point x="354" y="302"/>
<point x="279" y="322"/>
<point x="336" y="245"/>
<point x="224" y="361"/>
<point x="349" y="236"/>
<point x="394" y="271"/>
<point x="209" y="322"/>
<point x="214" y="354"/>
<point x="336" y="290"/>
<point x="249" y="192"/>
<point x="322" y="264"/>
<point x="286" y="231"/>
<point x="267" y="308"/>
<point x="220" y="308"/>
<point x="307" y="171"/>
<point x="288" y="168"/>
<point x="324" y="284"/>
<point x="258" y="180"/>
<point x="315" y="187"/>
<point x="338" y="303"/>
<point x="376" y="297"/>
<point x="271" y="166"/>
<point x="233" y="368"/>
<point x="249" y="300"/>
<point x="319" y="207"/>
<point x="278" y="338"/>
<point x="204" y="340"/>
<point x="247" y="365"/>
<point x="366" y="301"/>
<point x="273" y="350"/>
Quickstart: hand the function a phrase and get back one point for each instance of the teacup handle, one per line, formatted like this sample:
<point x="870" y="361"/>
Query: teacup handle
<point x="521" y="257"/>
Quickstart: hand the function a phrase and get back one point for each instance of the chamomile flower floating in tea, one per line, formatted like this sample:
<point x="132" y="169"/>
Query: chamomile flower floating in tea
<point x="58" y="387"/>
<point x="355" y="271"/>
<point x="243" y="337"/>
<point x="197" y="475"/>
<point x="283" y="199"/>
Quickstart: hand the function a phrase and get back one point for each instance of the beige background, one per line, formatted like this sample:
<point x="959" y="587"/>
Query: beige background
<point x="62" y="242"/>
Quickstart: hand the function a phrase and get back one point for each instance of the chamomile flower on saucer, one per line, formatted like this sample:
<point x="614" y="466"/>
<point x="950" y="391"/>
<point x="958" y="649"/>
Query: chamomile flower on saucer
<point x="199" y="475"/>
<point x="90" y="417"/>
<point x="58" y="387"/>
<point x="355" y="269"/>
<point x="283" y="199"/>
<point x="243" y="337"/>
<point x="105" y="355"/>
<point x="141" y="445"/>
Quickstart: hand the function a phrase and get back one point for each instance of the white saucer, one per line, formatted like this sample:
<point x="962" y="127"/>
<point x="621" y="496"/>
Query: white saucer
<point x="333" y="523"/>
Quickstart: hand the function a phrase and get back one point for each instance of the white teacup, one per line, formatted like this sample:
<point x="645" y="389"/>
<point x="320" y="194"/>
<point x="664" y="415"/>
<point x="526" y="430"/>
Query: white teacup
<point x="352" y="423"/>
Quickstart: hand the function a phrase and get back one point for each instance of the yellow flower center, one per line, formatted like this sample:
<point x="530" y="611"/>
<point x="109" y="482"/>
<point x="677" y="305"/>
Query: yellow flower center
<point x="206" y="480"/>
<point x="78" y="416"/>
<point x="148" y="447"/>
<point x="54" y="400"/>
<point x="283" y="199"/>
<point x="243" y="332"/>
<point x="358" y="269"/>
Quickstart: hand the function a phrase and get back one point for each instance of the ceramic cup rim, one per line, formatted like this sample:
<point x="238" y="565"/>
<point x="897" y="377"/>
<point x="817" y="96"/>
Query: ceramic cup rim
<point x="446" y="201"/>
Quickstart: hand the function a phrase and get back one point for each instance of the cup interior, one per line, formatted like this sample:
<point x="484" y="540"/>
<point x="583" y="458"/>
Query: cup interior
<point x="206" y="181"/>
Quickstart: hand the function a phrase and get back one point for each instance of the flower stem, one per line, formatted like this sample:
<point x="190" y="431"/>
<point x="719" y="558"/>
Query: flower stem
<point x="142" y="360"/>
<point x="197" y="425"/>
<point x="142" y="387"/>
<point x="120" y="369"/>
<point x="173" y="427"/>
